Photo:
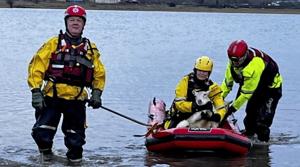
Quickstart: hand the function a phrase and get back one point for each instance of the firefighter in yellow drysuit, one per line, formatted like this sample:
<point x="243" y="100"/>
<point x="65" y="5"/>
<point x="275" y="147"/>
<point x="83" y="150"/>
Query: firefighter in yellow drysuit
<point x="260" y="85"/>
<point x="58" y="76"/>
<point x="184" y="104"/>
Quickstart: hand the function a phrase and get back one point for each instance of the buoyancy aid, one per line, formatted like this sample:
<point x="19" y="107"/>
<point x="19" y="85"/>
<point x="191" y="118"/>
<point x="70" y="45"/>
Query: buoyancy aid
<point x="193" y="84"/>
<point x="69" y="63"/>
<point x="270" y="71"/>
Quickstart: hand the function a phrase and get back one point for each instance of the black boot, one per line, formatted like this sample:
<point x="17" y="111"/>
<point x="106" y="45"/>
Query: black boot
<point x="75" y="155"/>
<point x="263" y="134"/>
<point x="46" y="154"/>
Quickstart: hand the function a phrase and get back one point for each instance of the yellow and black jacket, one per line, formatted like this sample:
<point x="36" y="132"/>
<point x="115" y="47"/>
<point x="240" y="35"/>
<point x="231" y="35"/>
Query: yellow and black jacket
<point x="40" y="65"/>
<point x="258" y="71"/>
<point x="182" y="104"/>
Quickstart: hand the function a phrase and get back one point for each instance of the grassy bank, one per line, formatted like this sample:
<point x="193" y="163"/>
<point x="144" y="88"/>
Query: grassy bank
<point x="143" y="7"/>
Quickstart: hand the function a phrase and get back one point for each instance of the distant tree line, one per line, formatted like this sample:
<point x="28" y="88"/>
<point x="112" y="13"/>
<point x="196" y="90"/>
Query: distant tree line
<point x="209" y="3"/>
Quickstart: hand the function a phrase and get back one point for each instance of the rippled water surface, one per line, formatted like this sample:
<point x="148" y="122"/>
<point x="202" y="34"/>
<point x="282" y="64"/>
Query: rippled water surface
<point x="145" y="54"/>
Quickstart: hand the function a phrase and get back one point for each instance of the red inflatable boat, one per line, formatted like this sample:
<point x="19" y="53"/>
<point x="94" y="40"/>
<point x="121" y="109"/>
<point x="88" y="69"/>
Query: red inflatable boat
<point x="198" y="139"/>
<point x="225" y="138"/>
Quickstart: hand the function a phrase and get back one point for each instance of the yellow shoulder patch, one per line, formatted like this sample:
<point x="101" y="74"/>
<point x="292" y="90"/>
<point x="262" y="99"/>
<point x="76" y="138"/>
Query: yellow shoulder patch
<point x="214" y="90"/>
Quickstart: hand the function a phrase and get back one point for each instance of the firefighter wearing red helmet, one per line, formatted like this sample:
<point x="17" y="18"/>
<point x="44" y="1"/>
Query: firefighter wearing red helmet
<point x="260" y="85"/>
<point x="75" y="11"/>
<point x="59" y="76"/>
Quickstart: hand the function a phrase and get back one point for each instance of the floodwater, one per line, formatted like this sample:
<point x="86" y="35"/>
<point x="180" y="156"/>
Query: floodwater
<point x="145" y="54"/>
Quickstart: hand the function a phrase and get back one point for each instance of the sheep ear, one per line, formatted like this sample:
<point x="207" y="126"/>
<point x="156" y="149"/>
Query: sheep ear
<point x="195" y="91"/>
<point x="154" y="101"/>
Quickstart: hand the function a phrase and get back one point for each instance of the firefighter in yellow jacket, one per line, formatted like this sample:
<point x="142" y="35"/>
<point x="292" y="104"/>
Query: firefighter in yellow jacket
<point x="59" y="75"/>
<point x="184" y="104"/>
<point x="260" y="85"/>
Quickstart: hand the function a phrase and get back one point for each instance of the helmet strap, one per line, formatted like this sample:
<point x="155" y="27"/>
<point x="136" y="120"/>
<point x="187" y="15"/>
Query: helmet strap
<point x="247" y="60"/>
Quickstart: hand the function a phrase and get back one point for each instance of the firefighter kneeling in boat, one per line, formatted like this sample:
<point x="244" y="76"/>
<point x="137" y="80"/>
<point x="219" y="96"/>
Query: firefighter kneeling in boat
<point x="59" y="75"/>
<point x="186" y="103"/>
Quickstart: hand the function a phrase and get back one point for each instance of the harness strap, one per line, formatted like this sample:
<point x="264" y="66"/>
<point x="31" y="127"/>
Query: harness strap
<point x="55" y="90"/>
<point x="81" y="90"/>
<point x="89" y="43"/>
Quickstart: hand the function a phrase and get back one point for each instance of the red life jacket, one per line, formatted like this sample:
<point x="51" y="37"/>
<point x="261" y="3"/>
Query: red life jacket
<point x="69" y="64"/>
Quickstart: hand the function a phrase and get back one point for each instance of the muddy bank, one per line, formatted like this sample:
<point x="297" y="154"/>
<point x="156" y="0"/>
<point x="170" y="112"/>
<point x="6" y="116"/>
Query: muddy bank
<point x="146" y="7"/>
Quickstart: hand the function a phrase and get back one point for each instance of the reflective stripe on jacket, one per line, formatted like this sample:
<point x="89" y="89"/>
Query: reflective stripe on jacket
<point x="40" y="62"/>
<point x="70" y="63"/>
<point x="249" y="77"/>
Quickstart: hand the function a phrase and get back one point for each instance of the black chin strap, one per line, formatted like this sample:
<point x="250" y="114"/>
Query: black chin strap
<point x="73" y="40"/>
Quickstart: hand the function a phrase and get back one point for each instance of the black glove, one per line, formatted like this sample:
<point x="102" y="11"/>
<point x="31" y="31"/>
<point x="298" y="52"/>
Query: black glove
<point x="231" y="110"/>
<point x="215" y="117"/>
<point x="38" y="101"/>
<point x="95" y="100"/>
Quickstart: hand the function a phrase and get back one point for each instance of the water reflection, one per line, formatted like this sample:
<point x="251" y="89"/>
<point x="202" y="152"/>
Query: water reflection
<point x="259" y="156"/>
<point x="193" y="159"/>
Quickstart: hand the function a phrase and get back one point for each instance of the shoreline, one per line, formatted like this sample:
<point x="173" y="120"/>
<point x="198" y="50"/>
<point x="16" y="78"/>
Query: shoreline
<point x="149" y="7"/>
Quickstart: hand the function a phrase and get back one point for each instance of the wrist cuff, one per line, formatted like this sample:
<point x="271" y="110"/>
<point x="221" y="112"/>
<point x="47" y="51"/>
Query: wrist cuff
<point x="34" y="90"/>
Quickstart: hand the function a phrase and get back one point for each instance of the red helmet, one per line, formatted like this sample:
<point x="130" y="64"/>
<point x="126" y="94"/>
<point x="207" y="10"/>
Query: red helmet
<point x="237" y="52"/>
<point x="75" y="10"/>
